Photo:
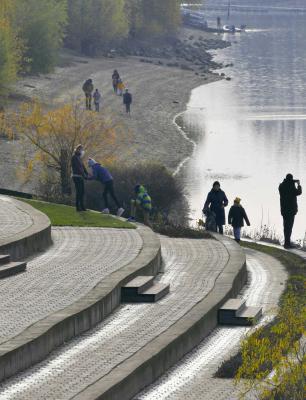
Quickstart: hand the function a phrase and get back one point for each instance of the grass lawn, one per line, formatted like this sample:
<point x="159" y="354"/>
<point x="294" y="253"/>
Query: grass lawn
<point x="61" y="215"/>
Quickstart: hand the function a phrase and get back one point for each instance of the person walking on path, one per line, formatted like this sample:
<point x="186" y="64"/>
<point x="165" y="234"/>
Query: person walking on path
<point x="97" y="98"/>
<point x="79" y="174"/>
<point x="102" y="175"/>
<point x="289" y="189"/>
<point x="127" y="101"/>
<point x="115" y="79"/>
<point x="143" y="202"/>
<point x="88" y="88"/>
<point x="216" y="201"/>
<point x="236" y="218"/>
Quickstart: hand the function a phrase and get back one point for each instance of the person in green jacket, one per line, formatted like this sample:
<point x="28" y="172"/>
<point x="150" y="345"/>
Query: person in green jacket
<point x="143" y="202"/>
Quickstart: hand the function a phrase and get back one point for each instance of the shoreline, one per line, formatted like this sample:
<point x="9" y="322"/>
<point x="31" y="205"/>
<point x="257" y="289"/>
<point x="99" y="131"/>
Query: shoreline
<point x="161" y="94"/>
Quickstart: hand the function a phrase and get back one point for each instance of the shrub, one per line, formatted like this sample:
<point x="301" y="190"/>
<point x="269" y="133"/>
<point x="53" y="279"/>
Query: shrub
<point x="163" y="188"/>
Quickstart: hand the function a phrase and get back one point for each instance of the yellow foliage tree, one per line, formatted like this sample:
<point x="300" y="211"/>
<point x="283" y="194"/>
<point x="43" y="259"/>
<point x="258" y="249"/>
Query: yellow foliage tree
<point x="53" y="136"/>
<point x="274" y="365"/>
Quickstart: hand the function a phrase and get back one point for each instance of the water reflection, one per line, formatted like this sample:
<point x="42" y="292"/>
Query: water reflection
<point x="253" y="128"/>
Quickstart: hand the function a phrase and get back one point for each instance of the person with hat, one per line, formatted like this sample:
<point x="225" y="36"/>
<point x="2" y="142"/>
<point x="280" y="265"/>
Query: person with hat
<point x="236" y="218"/>
<point x="289" y="189"/>
<point x="102" y="175"/>
<point x="143" y="202"/>
<point x="216" y="201"/>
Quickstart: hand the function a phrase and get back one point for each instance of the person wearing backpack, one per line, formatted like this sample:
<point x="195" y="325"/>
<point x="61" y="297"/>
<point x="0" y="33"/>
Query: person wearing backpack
<point x="102" y="175"/>
<point x="236" y="218"/>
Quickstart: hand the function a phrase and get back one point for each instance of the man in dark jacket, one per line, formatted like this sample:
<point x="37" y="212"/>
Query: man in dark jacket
<point x="88" y="88"/>
<point x="216" y="201"/>
<point x="127" y="100"/>
<point x="79" y="173"/>
<point x="236" y="218"/>
<point x="103" y="175"/>
<point x="289" y="189"/>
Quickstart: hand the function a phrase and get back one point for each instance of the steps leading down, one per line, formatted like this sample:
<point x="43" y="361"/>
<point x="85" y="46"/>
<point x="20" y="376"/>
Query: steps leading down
<point x="8" y="268"/>
<point x="142" y="289"/>
<point x="235" y="312"/>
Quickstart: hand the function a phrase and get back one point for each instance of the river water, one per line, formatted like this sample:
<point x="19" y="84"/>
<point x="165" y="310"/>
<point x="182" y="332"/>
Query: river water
<point x="252" y="130"/>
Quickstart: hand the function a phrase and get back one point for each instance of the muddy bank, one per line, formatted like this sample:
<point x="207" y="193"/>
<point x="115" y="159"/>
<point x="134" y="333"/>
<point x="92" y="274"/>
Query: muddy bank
<point x="160" y="92"/>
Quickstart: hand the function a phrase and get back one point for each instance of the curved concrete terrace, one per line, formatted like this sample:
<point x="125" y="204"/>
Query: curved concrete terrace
<point x="69" y="289"/>
<point x="23" y="230"/>
<point x="194" y="374"/>
<point x="135" y="345"/>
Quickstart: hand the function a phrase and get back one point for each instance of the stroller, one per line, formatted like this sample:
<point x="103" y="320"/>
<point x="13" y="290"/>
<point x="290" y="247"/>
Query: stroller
<point x="210" y="222"/>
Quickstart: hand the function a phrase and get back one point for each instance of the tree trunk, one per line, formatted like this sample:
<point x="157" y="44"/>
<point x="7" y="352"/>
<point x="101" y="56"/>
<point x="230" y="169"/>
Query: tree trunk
<point x="65" y="172"/>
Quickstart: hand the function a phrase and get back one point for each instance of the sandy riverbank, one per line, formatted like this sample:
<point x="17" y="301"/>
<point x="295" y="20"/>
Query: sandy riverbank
<point x="160" y="93"/>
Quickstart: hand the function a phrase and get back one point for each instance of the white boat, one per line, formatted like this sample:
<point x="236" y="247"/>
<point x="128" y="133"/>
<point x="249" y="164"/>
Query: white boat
<point x="233" y="28"/>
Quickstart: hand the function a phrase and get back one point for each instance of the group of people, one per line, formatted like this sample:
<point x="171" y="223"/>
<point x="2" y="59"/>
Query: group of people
<point x="214" y="209"/>
<point x="95" y="171"/>
<point x="92" y="94"/>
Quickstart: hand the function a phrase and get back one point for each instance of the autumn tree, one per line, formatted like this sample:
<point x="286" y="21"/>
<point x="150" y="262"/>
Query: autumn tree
<point x="10" y="46"/>
<point x="95" y="23"/>
<point x="41" y="25"/>
<point x="53" y="135"/>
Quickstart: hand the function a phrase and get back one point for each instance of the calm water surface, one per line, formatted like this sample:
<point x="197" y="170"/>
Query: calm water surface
<point x="252" y="129"/>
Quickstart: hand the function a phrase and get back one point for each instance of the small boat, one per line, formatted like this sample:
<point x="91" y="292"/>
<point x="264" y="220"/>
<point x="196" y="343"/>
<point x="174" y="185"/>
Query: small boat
<point x="233" y="28"/>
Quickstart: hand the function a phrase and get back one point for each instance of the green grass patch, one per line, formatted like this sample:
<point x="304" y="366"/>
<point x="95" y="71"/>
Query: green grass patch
<point x="296" y="287"/>
<point x="62" y="215"/>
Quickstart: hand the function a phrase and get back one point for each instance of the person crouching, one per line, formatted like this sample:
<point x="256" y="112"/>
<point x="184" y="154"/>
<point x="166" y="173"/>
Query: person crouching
<point x="103" y="175"/>
<point x="143" y="202"/>
<point x="236" y="218"/>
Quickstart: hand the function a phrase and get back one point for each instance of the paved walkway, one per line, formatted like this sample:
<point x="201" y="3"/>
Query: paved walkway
<point x="192" y="378"/>
<point x="191" y="267"/>
<point x="77" y="261"/>
<point x="13" y="220"/>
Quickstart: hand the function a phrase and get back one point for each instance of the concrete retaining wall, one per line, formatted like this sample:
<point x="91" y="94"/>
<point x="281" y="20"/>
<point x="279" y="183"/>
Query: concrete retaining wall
<point x="37" y="341"/>
<point x="32" y="240"/>
<point x="148" y="364"/>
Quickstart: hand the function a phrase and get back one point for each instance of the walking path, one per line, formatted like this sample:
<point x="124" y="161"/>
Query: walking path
<point x="192" y="378"/>
<point x="191" y="268"/>
<point x="14" y="220"/>
<point x="77" y="261"/>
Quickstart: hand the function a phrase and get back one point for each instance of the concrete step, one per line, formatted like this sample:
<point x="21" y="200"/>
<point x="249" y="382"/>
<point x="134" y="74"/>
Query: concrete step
<point x="12" y="268"/>
<point x="229" y="310"/>
<point x="4" y="259"/>
<point x="151" y="295"/>
<point x="235" y="312"/>
<point x="249" y="316"/>
<point x="136" y="286"/>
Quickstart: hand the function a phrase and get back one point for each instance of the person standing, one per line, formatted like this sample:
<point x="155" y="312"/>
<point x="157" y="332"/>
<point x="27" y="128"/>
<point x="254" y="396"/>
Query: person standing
<point x="97" y="98"/>
<point x="219" y="23"/>
<point x="79" y="174"/>
<point x="88" y="88"/>
<point x="289" y="189"/>
<point x="103" y="175"/>
<point x="236" y="218"/>
<point x="115" y="79"/>
<point x="127" y="101"/>
<point x="216" y="201"/>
